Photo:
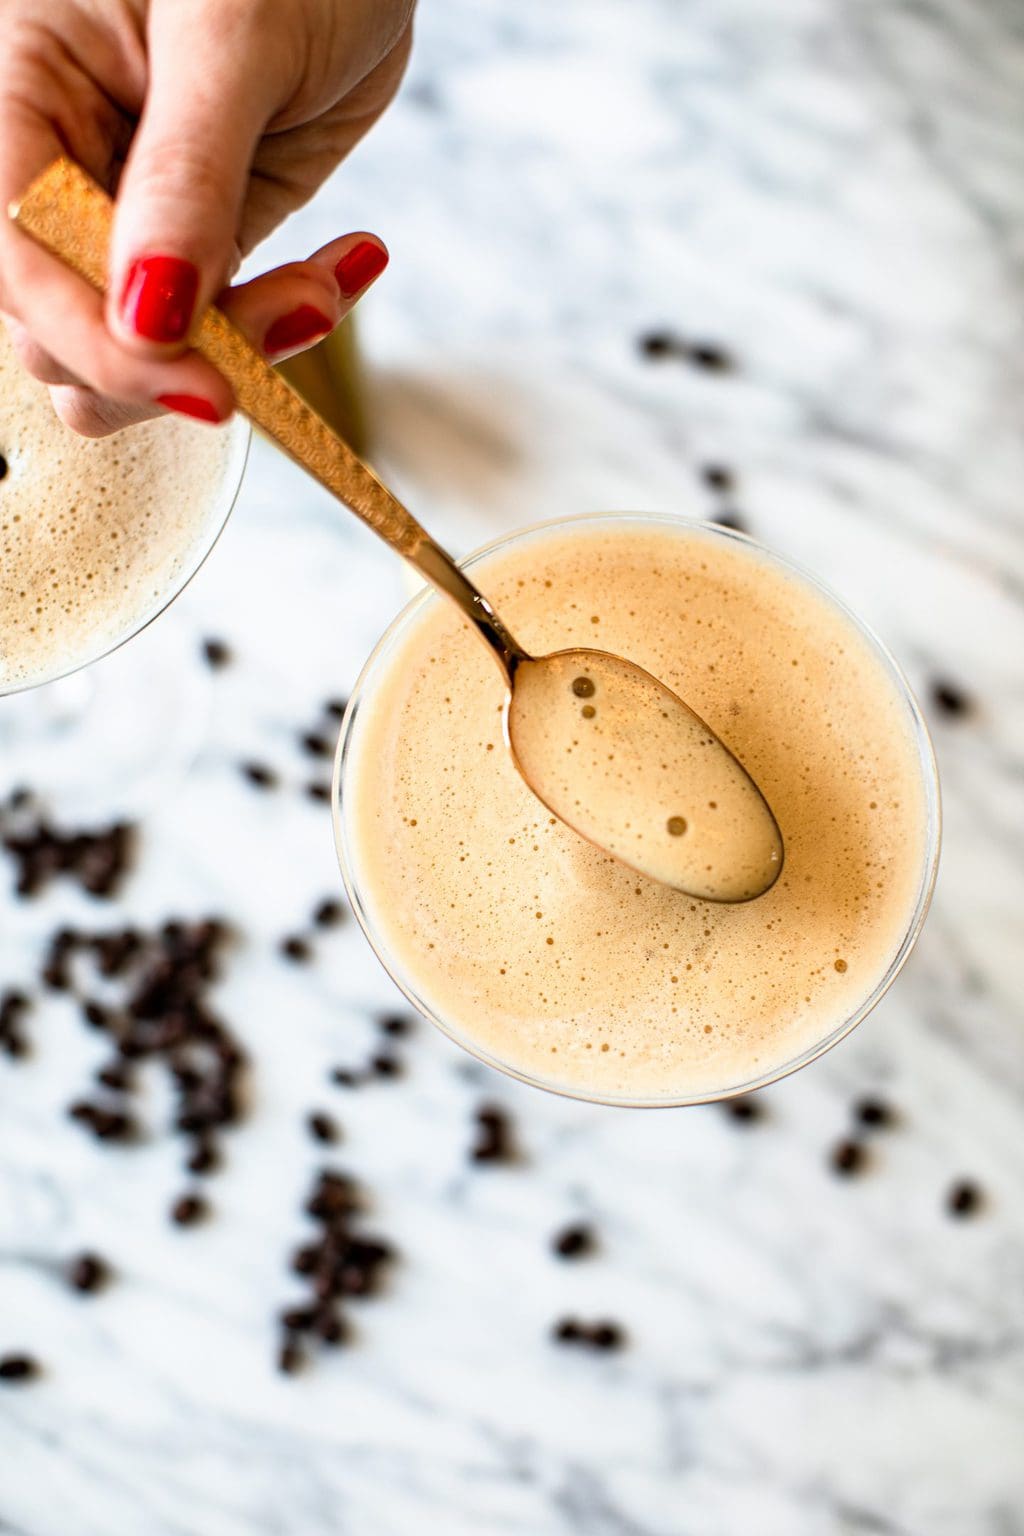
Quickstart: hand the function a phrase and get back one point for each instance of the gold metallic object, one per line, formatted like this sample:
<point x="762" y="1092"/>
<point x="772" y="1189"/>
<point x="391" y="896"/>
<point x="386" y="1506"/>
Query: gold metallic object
<point x="66" y="211"/>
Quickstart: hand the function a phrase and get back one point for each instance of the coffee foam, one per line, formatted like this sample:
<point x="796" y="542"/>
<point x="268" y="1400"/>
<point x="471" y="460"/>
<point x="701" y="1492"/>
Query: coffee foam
<point x="542" y="952"/>
<point x="94" y="535"/>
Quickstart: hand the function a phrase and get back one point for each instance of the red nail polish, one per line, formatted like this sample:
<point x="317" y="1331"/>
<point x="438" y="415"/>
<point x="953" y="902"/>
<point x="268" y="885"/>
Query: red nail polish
<point x="359" y="266"/>
<point x="190" y="405"/>
<point x="297" y="329"/>
<point x="159" y="296"/>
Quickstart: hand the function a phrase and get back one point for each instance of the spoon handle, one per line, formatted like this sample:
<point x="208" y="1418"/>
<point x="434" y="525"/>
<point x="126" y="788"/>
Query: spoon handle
<point x="66" y="211"/>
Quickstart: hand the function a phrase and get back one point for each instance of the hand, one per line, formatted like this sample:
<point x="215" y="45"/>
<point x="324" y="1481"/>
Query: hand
<point x="212" y="120"/>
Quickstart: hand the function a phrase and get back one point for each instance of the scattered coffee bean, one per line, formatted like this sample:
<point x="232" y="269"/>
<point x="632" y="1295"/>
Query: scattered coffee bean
<point x="573" y="1242"/>
<point x="116" y="1075"/>
<point x="331" y="1327"/>
<point x="874" y="1112"/>
<point x="606" y="1336"/>
<point x="203" y="1159"/>
<point x="336" y="708"/>
<point x="385" y="1065"/>
<point x="745" y="1108"/>
<point x="320" y="792"/>
<point x="18" y="1368"/>
<point x="316" y="746"/>
<point x="95" y="1014"/>
<point x="305" y="1260"/>
<point x="13" y="1044"/>
<point x="216" y="653"/>
<point x="290" y="1358"/>
<point x="88" y="1273"/>
<point x="187" y="1210"/>
<point x="345" y="1077"/>
<point x="728" y="518"/>
<point x="295" y="949"/>
<point x="661" y="344"/>
<point x="494" y="1142"/>
<point x="567" y="1330"/>
<point x="717" y="478"/>
<point x="848" y="1157"/>
<point x="298" y="1319"/>
<point x="950" y="699"/>
<point x="321" y="1127"/>
<point x="329" y="913"/>
<point x="260" y="775"/>
<point x="396" y="1024"/>
<point x="710" y="357"/>
<point x="964" y="1198"/>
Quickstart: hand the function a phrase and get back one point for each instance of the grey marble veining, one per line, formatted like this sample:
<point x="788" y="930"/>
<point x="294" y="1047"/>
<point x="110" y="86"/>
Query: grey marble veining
<point x="833" y="193"/>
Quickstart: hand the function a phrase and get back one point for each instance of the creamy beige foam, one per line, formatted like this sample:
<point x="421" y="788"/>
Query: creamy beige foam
<point x="94" y="535"/>
<point x="548" y="955"/>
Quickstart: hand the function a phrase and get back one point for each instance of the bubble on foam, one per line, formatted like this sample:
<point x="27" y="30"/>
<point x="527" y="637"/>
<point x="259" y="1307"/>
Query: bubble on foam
<point x="691" y="997"/>
<point x="94" y="534"/>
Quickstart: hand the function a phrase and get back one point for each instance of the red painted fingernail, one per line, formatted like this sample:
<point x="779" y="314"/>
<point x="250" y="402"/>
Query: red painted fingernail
<point x="190" y="405"/>
<point x="359" y="266"/>
<point x="159" y="296"/>
<point x="297" y="329"/>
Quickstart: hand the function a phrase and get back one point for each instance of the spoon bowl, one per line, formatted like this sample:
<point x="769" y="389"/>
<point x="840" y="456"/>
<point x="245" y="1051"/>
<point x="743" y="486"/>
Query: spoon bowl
<point x="627" y="764"/>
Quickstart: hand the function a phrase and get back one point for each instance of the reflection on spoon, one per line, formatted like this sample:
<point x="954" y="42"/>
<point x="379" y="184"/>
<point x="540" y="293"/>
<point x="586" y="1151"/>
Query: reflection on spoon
<point x="625" y="762"/>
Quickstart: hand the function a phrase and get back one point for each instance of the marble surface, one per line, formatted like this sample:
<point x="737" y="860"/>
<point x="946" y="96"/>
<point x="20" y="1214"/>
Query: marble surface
<point x="833" y="192"/>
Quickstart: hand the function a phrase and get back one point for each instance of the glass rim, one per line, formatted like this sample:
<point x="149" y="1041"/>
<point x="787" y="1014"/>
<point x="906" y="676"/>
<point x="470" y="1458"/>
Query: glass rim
<point x="405" y="983"/>
<point x="239" y="432"/>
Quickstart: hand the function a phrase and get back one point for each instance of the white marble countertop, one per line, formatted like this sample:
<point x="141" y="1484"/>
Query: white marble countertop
<point x="832" y="192"/>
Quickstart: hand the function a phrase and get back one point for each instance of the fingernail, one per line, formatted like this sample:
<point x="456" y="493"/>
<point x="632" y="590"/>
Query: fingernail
<point x="190" y="405"/>
<point x="297" y="329"/>
<point x="159" y="296"/>
<point x="359" y="266"/>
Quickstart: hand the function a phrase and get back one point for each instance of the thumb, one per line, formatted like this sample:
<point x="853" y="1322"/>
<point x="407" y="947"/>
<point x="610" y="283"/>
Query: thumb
<point x="180" y="198"/>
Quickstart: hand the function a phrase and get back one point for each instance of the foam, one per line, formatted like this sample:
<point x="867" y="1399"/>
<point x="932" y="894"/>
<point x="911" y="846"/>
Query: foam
<point x="94" y="535"/>
<point x="547" y="955"/>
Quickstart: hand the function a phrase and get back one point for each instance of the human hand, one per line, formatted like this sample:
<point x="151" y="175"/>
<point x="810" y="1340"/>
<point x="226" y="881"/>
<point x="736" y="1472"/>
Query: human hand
<point x="212" y="119"/>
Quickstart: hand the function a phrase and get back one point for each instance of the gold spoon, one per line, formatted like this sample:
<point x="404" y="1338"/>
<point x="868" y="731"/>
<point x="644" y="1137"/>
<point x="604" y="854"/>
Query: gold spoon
<point x="607" y="747"/>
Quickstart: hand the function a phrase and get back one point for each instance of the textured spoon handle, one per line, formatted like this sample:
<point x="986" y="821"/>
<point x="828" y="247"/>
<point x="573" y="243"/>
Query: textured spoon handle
<point x="67" y="212"/>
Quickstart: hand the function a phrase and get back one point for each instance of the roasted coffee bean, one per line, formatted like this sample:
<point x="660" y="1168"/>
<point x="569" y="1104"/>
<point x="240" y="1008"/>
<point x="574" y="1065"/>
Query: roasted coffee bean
<point x="848" y="1157"/>
<point x="18" y="1368"/>
<point x="290" y="1358"/>
<point x="606" y="1336"/>
<point x="745" y="1108"/>
<point x="204" y="1158"/>
<point x="295" y="949"/>
<point x="329" y="913"/>
<point x="88" y="1273"/>
<point x="396" y="1024"/>
<point x="573" y="1242"/>
<point x="950" y="699"/>
<point x="116" y="1075"/>
<point x="13" y="1004"/>
<point x="659" y="344"/>
<point x="874" y="1112"/>
<point x="259" y="775"/>
<point x="216" y="653"/>
<point x="12" y="1044"/>
<point x="95" y="1014"/>
<point x="385" y="1065"/>
<point x="567" y="1330"/>
<point x="321" y="792"/>
<point x="56" y="977"/>
<point x="298" y="1319"/>
<point x="345" y="1077"/>
<point x="710" y="357"/>
<point x="717" y="478"/>
<point x="114" y="1125"/>
<point x="964" y="1198"/>
<point x="316" y="746"/>
<point x="305" y="1260"/>
<point x="321" y="1127"/>
<point x="330" y="1326"/>
<point x="729" y="518"/>
<point x="336" y="708"/>
<point x="187" y="1210"/>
